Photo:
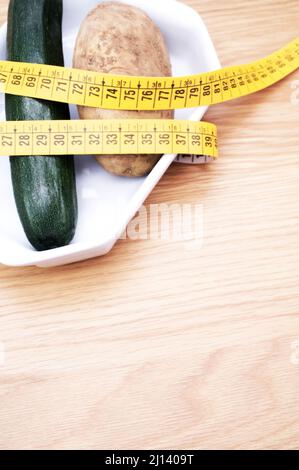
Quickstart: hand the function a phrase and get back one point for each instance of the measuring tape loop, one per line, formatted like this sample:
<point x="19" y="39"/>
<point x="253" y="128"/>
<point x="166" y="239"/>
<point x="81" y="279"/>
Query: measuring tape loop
<point x="108" y="91"/>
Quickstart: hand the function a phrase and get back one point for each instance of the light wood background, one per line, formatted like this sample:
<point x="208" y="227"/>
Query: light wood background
<point x="166" y="345"/>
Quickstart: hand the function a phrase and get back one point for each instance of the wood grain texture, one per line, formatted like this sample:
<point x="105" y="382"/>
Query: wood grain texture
<point x="165" y="345"/>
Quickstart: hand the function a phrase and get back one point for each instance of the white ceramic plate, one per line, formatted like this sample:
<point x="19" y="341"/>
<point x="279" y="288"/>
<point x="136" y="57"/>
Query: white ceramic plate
<point x="106" y="203"/>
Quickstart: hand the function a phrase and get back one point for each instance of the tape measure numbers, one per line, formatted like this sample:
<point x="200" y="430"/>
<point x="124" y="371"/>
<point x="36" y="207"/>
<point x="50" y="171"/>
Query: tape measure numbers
<point x="136" y="136"/>
<point x="144" y="93"/>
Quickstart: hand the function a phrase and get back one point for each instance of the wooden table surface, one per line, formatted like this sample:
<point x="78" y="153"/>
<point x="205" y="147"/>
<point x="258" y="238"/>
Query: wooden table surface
<point x="169" y="344"/>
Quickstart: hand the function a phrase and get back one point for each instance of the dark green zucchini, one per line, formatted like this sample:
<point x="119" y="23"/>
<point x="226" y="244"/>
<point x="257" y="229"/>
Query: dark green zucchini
<point x="44" y="187"/>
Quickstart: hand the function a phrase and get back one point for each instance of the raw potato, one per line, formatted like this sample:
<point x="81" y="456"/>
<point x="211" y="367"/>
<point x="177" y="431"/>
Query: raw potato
<point x="121" y="39"/>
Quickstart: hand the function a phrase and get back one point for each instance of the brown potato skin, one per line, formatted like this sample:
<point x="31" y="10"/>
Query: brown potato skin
<point x="121" y="39"/>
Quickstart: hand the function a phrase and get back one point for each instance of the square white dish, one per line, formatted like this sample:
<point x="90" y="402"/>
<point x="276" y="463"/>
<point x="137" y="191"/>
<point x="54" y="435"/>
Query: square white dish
<point x="106" y="203"/>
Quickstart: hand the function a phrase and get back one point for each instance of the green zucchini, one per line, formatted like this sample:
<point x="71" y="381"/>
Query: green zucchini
<point x="44" y="186"/>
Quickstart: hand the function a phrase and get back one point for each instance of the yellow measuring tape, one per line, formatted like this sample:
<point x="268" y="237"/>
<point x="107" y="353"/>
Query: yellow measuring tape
<point x="135" y="136"/>
<point x="108" y="91"/>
